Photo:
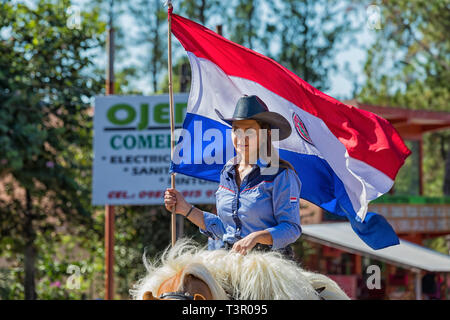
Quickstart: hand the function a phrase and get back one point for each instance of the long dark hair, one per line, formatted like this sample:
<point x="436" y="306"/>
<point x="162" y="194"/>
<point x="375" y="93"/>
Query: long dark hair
<point x="282" y="163"/>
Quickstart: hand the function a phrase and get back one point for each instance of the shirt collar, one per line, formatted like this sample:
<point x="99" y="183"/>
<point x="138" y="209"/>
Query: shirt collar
<point x="260" y="162"/>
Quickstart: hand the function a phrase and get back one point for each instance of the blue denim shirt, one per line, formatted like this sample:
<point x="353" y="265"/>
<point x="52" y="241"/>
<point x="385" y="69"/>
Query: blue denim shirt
<point x="262" y="202"/>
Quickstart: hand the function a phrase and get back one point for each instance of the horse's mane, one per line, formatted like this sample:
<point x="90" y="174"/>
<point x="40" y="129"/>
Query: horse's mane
<point x="255" y="276"/>
<point x="184" y="256"/>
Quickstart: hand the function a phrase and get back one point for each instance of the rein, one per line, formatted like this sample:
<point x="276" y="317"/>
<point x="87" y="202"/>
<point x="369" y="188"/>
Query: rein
<point x="176" y="295"/>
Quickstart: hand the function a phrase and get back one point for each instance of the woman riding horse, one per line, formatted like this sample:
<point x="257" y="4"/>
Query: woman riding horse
<point x="258" y="196"/>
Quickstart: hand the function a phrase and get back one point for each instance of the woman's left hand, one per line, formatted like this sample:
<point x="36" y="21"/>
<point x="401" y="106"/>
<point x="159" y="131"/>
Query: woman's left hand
<point x="246" y="244"/>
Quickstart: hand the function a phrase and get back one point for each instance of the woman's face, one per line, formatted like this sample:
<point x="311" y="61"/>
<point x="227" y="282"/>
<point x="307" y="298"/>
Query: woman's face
<point x="245" y="136"/>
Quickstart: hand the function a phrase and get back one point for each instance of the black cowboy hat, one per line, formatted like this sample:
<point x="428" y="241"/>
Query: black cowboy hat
<point x="253" y="108"/>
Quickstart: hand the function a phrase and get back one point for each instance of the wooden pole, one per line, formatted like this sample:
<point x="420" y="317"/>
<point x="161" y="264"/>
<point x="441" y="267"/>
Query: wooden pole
<point x="109" y="210"/>
<point x="421" y="166"/>
<point x="109" y="252"/>
<point x="418" y="285"/>
<point x="219" y="29"/>
<point x="172" y="122"/>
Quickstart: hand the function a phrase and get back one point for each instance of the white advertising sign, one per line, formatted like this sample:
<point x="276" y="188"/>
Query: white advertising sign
<point x="132" y="152"/>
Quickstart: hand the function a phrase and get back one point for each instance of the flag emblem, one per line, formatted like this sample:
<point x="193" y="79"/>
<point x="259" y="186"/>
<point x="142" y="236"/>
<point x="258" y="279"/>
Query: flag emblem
<point x="293" y="199"/>
<point x="301" y="128"/>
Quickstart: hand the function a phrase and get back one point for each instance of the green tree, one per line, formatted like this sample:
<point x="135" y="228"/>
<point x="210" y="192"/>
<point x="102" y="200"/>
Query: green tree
<point x="144" y="230"/>
<point x="307" y="34"/>
<point x="245" y="22"/>
<point x="151" y="17"/>
<point x="200" y="10"/>
<point x="177" y="67"/>
<point x="45" y="124"/>
<point x="125" y="73"/>
<point x="409" y="66"/>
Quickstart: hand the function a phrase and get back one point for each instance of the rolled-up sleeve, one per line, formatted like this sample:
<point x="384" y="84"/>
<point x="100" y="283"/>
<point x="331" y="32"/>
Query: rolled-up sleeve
<point x="214" y="226"/>
<point x="286" y="199"/>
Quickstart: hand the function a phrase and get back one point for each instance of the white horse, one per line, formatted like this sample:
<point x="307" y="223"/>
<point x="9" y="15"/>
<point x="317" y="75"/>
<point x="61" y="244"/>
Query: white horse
<point x="188" y="271"/>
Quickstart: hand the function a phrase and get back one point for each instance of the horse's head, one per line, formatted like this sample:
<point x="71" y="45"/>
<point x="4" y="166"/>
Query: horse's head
<point x="185" y="285"/>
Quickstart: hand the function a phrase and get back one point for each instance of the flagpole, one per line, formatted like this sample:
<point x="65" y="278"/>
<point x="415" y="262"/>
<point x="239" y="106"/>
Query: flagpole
<point x="109" y="209"/>
<point x="172" y="122"/>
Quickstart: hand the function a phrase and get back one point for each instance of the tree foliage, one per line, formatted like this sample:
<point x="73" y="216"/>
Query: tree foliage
<point x="45" y="123"/>
<point x="151" y="16"/>
<point x="409" y="66"/>
<point x="308" y="34"/>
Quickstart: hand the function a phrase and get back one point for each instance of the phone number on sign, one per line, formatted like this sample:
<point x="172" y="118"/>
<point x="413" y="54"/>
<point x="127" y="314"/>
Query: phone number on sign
<point x="156" y="194"/>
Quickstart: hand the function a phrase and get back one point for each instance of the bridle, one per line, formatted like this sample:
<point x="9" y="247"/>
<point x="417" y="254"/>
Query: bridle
<point x="177" y="295"/>
<point x="180" y="295"/>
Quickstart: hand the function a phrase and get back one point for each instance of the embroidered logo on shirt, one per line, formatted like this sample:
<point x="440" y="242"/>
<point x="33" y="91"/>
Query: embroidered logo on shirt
<point x="293" y="199"/>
